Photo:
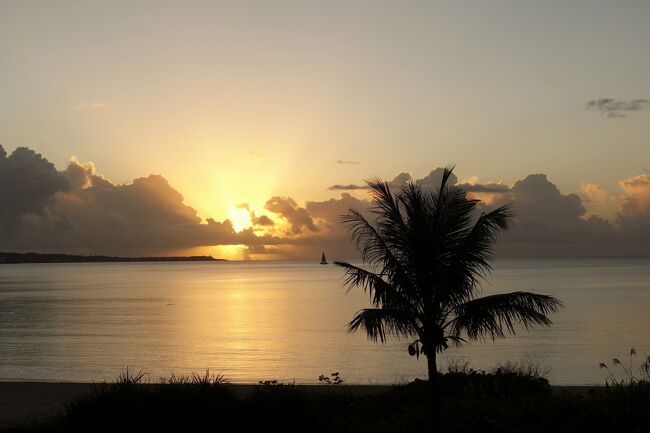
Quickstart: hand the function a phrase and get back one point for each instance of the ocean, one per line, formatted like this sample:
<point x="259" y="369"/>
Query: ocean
<point x="286" y="321"/>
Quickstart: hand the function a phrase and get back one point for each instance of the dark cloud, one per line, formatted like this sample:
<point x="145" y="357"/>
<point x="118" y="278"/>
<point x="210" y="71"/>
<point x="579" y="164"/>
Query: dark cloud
<point x="297" y="217"/>
<point x="76" y="210"/>
<point x="616" y="108"/>
<point x="396" y="183"/>
<point x="331" y="210"/>
<point x="495" y="188"/>
<point x="334" y="237"/>
<point x="342" y="161"/>
<point x="349" y="187"/>
<point x="257" y="220"/>
<point x="548" y="223"/>
<point x="433" y="179"/>
<point x="262" y="220"/>
<point x="28" y="184"/>
<point x="83" y="175"/>
<point x="633" y="218"/>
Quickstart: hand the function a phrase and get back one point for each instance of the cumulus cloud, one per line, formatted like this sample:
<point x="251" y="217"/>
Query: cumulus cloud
<point x="634" y="213"/>
<point x="28" y="185"/>
<point x="297" y="217"/>
<point x="331" y="210"/>
<point x="597" y="200"/>
<point x="257" y="220"/>
<point x="547" y="221"/>
<point x="84" y="175"/>
<point x="432" y="180"/>
<point x="77" y="210"/>
<point x="637" y="195"/>
<point x="616" y="108"/>
<point x="262" y="220"/>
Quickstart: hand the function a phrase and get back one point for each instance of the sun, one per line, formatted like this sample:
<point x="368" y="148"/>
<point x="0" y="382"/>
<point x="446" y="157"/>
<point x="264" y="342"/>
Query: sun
<point x="240" y="218"/>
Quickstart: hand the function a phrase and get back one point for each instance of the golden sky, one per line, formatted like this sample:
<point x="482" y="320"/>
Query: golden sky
<point x="239" y="102"/>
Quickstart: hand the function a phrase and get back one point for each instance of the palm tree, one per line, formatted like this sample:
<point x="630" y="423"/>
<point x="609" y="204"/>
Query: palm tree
<point x="427" y="253"/>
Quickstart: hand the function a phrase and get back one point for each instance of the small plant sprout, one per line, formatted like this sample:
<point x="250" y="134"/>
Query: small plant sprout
<point x="130" y="378"/>
<point x="629" y="377"/>
<point x="332" y="379"/>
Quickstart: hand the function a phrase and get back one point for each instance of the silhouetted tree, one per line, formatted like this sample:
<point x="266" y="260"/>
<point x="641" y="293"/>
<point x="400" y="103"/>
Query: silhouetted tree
<point x="427" y="252"/>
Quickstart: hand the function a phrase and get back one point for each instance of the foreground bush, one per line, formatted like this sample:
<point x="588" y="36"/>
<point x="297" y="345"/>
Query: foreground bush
<point x="503" y="400"/>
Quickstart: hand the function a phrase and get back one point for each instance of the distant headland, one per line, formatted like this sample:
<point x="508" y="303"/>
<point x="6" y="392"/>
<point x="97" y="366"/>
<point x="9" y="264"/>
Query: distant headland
<point x="14" y="258"/>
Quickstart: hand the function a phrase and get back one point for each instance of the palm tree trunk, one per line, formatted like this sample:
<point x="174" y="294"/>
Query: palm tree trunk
<point x="434" y="389"/>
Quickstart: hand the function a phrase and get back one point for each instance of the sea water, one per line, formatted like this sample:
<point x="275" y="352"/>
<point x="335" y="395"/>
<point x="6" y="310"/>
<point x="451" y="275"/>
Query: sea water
<point x="286" y="321"/>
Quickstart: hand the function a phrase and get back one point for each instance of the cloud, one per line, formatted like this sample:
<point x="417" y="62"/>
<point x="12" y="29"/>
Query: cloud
<point x="297" y="217"/>
<point x="495" y="188"/>
<point x="84" y="175"/>
<point x="349" y="187"/>
<point x="331" y="210"/>
<point x="547" y="221"/>
<point x="546" y="216"/>
<point x="88" y="105"/>
<point x="433" y="179"/>
<point x="28" y="185"/>
<point x="342" y="161"/>
<point x="77" y="210"/>
<point x="251" y="157"/>
<point x="633" y="217"/>
<point x="262" y="220"/>
<point x="636" y="198"/>
<point x="597" y="200"/>
<point x="396" y="183"/>
<point x="616" y="108"/>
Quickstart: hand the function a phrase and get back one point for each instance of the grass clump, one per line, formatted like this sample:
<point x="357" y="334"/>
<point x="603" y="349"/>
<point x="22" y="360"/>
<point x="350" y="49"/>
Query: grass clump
<point x="512" y="397"/>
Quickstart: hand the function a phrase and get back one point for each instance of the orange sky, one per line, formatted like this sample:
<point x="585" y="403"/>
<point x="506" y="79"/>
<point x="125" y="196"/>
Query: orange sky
<point x="234" y="104"/>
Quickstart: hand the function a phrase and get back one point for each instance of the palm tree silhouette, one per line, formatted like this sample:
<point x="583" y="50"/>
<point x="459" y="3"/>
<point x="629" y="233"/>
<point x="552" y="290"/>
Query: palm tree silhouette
<point x="427" y="253"/>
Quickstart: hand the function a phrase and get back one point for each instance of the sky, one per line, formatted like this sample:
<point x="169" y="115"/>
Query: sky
<point x="244" y="110"/>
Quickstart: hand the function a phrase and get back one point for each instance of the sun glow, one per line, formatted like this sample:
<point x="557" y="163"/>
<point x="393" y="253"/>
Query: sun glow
<point x="240" y="218"/>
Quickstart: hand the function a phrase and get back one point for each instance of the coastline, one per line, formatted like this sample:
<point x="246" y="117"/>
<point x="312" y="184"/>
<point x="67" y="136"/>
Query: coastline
<point x="25" y="402"/>
<point x="11" y="258"/>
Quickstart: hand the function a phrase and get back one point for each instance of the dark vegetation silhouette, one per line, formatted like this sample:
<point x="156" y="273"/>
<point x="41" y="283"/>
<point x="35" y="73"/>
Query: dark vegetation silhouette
<point x="15" y="258"/>
<point x="427" y="253"/>
<point x="512" y="397"/>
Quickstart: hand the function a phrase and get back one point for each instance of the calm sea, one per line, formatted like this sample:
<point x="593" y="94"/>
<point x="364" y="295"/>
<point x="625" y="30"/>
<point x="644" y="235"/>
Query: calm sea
<point x="286" y="321"/>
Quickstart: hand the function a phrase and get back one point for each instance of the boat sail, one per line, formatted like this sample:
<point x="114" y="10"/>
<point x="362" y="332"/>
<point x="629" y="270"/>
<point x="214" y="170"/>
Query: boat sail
<point x="323" y="260"/>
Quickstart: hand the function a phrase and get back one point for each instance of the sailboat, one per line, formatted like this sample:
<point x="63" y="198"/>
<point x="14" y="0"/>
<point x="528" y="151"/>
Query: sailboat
<point x="323" y="260"/>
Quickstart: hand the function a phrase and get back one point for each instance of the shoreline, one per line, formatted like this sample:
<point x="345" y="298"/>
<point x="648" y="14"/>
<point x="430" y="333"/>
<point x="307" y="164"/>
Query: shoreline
<point x="31" y="401"/>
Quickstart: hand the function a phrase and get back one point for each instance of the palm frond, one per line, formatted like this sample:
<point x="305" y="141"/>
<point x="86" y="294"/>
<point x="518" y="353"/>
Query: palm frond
<point x="495" y="315"/>
<point x="469" y="260"/>
<point x="381" y="291"/>
<point x="427" y="253"/>
<point x="370" y="243"/>
<point x="379" y="323"/>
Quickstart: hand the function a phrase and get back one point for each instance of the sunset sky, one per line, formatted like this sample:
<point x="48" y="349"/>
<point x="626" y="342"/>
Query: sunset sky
<point x="272" y="104"/>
